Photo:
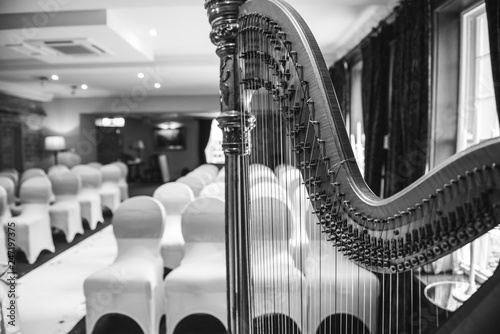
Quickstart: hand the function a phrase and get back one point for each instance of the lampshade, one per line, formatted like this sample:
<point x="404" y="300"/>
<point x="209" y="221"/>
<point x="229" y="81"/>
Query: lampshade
<point x="139" y="145"/>
<point x="55" y="143"/>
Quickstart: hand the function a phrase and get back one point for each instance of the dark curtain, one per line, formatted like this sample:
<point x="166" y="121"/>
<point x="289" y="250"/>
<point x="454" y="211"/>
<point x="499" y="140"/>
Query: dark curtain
<point x="493" y="15"/>
<point x="410" y="82"/>
<point x="205" y="126"/>
<point x="375" y="55"/>
<point x="340" y="75"/>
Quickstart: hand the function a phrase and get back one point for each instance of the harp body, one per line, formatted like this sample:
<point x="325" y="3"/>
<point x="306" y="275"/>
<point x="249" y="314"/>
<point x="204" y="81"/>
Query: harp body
<point x="278" y="108"/>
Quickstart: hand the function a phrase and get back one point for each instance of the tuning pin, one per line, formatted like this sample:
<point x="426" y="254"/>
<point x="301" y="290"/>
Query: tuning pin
<point x="495" y="171"/>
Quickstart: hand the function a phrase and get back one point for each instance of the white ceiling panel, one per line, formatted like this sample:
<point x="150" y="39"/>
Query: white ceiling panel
<point x="180" y="57"/>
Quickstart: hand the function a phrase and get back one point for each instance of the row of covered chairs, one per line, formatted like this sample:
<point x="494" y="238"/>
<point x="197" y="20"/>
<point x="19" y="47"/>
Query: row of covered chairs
<point x="197" y="282"/>
<point x="280" y="197"/>
<point x="59" y="199"/>
<point x="173" y="210"/>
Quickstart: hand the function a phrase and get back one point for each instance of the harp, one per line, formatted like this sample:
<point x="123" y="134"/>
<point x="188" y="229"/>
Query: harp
<point x="310" y="249"/>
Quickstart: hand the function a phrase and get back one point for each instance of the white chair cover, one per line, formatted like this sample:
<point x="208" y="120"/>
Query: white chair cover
<point x="208" y="168"/>
<point x="109" y="190"/>
<point x="4" y="216"/>
<point x="275" y="273"/>
<point x="175" y="197"/>
<point x="262" y="188"/>
<point x="260" y="173"/>
<point x="31" y="172"/>
<point x="69" y="159"/>
<point x="122" y="183"/>
<point x="194" y="182"/>
<point x="355" y="290"/>
<point x="57" y="169"/>
<point x="258" y="167"/>
<point x="65" y="213"/>
<point x="198" y="285"/>
<point x="133" y="283"/>
<point x="221" y="176"/>
<point x="89" y="198"/>
<point x="12" y="174"/>
<point x="280" y="169"/>
<point x="287" y="178"/>
<point x="10" y="188"/>
<point x="214" y="189"/>
<point x="95" y="164"/>
<point x="33" y="233"/>
<point x="202" y="175"/>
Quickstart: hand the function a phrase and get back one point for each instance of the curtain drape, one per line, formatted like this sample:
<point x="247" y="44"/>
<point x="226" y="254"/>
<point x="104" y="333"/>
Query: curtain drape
<point x="205" y="126"/>
<point x="493" y="15"/>
<point x="375" y="54"/>
<point x="410" y="102"/>
<point x="339" y="73"/>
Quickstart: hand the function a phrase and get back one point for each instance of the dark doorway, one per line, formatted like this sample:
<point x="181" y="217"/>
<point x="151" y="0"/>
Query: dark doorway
<point x="109" y="144"/>
<point x="11" y="146"/>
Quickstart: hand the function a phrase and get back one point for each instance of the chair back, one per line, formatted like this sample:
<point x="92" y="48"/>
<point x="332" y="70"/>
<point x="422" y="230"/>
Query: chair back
<point x="203" y="221"/>
<point x="9" y="187"/>
<point x="139" y="222"/>
<point x="289" y="176"/>
<point x="214" y="189"/>
<point x="174" y="197"/>
<point x="36" y="190"/>
<point x="4" y="207"/>
<point x="31" y="172"/>
<point x="195" y="183"/>
<point x="266" y="208"/>
<point x="261" y="187"/>
<point x="57" y="169"/>
<point x="12" y="174"/>
<point x="221" y="175"/>
<point x="280" y="169"/>
<point x="123" y="168"/>
<point x="69" y="159"/>
<point x="205" y="176"/>
<point x="91" y="177"/>
<point x="208" y="168"/>
<point x="95" y="164"/>
<point x="65" y="183"/>
<point x="111" y="173"/>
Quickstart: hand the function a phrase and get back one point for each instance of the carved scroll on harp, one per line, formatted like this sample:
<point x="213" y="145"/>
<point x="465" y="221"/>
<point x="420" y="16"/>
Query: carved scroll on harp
<point x="280" y="82"/>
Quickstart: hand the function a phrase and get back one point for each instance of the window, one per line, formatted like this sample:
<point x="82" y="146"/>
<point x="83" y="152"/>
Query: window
<point x="213" y="151"/>
<point x="478" y="121"/>
<point x="354" y="121"/>
<point x="478" y="118"/>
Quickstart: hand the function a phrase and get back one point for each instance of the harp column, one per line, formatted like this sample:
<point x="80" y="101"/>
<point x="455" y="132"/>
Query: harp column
<point x="236" y="125"/>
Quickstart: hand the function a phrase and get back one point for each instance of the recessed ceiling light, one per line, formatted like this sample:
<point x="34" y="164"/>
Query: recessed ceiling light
<point x="157" y="85"/>
<point x="140" y="75"/>
<point x="55" y="77"/>
<point x="153" y="32"/>
<point x="84" y="86"/>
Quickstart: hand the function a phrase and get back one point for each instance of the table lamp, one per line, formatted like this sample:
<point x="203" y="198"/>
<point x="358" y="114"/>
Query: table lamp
<point x="139" y="146"/>
<point x="55" y="144"/>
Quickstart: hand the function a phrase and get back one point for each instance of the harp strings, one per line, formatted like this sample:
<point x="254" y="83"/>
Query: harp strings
<point x="291" y="263"/>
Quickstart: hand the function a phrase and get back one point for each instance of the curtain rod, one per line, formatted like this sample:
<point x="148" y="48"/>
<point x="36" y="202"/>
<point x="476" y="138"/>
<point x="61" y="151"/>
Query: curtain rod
<point x="387" y="20"/>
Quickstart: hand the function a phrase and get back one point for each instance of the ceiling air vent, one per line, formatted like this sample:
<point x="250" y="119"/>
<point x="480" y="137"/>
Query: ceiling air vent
<point x="70" y="47"/>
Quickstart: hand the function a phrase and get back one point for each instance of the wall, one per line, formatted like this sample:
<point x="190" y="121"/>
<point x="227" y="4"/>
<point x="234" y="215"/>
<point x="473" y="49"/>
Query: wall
<point x="74" y="119"/>
<point x="188" y="158"/>
<point x="21" y="136"/>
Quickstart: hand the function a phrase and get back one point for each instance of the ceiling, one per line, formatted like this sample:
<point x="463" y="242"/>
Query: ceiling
<point x="180" y="58"/>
